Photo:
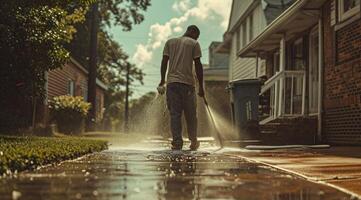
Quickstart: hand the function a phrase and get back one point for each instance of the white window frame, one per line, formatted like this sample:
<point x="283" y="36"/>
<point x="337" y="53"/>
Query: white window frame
<point x="342" y="15"/>
<point x="244" y="33"/>
<point x="85" y="94"/>
<point x="71" y="87"/>
<point x="250" y="27"/>
<point x="238" y="40"/>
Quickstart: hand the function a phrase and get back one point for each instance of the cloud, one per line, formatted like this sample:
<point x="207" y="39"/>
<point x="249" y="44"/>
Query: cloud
<point x="181" y="5"/>
<point x="142" y="55"/>
<point x="205" y="11"/>
<point x="159" y="34"/>
<point x="219" y="7"/>
<point x="177" y="29"/>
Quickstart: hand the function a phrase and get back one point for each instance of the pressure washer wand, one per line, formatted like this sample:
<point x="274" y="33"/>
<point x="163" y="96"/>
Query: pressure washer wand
<point x="219" y="137"/>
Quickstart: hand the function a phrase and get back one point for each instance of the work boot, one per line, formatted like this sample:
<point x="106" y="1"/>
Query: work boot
<point x="194" y="145"/>
<point x="176" y="146"/>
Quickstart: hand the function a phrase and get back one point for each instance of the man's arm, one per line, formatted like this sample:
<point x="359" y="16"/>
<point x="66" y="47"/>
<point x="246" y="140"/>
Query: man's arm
<point x="163" y="69"/>
<point x="199" y="73"/>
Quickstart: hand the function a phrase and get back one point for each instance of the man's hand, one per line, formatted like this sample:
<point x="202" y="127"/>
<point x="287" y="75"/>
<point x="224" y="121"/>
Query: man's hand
<point x="163" y="70"/>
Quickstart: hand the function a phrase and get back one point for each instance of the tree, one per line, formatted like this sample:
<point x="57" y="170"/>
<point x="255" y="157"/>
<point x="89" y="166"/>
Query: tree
<point x="124" y="13"/>
<point x="32" y="38"/>
<point x="112" y="71"/>
<point x="113" y="62"/>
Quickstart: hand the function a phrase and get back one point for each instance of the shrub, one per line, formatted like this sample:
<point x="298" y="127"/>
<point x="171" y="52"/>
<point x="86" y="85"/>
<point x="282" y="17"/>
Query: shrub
<point x="23" y="153"/>
<point x="69" y="113"/>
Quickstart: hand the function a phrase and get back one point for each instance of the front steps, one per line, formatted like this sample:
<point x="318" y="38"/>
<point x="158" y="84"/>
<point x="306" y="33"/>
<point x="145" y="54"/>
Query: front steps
<point x="289" y="131"/>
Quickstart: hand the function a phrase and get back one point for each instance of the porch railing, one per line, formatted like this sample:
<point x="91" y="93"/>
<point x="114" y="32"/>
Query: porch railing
<point x="285" y="94"/>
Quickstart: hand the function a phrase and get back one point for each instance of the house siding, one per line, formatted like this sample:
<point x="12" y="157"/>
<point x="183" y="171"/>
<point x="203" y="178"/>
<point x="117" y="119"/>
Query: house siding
<point x="58" y="81"/>
<point x="238" y="9"/>
<point x="245" y="68"/>
<point x="57" y="85"/>
<point x="342" y="81"/>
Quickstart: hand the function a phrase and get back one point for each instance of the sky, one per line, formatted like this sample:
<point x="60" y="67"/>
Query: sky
<point x="165" y="19"/>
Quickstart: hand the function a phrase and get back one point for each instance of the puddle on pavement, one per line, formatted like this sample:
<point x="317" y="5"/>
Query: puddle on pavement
<point x="157" y="173"/>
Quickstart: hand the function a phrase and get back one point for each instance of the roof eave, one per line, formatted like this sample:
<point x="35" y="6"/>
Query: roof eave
<point x="270" y="29"/>
<point x="101" y="85"/>
<point x="225" y="46"/>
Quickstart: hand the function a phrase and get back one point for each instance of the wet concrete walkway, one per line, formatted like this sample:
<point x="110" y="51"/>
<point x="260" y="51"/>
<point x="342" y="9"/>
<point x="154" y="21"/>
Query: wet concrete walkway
<point x="148" y="170"/>
<point x="336" y="166"/>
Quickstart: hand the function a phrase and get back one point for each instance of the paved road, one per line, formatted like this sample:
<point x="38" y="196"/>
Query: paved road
<point x="148" y="170"/>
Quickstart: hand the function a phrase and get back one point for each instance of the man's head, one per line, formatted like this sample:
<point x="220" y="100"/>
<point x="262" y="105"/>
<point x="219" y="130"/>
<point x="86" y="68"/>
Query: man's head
<point x="193" y="32"/>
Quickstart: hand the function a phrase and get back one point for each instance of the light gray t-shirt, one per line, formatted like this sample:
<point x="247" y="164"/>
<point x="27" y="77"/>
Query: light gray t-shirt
<point x="181" y="51"/>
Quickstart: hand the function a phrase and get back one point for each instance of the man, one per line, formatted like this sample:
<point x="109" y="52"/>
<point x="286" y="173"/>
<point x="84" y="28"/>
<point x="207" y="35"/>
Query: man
<point x="181" y="53"/>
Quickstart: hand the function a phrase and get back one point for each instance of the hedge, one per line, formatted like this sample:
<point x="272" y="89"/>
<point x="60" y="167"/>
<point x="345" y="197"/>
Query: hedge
<point x="26" y="153"/>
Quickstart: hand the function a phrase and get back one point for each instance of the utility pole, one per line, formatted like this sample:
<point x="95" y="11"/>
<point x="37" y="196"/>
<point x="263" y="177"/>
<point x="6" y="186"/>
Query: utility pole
<point x="126" y="113"/>
<point x="93" y="67"/>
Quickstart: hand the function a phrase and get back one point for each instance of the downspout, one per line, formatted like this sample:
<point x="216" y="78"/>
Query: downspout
<point x="320" y="78"/>
<point x="257" y="63"/>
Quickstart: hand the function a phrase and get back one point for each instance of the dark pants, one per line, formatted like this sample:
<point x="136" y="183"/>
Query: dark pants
<point x="181" y="97"/>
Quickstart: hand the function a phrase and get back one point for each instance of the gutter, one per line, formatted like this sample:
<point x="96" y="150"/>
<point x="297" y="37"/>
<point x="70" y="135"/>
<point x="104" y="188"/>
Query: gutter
<point x="81" y="68"/>
<point x="272" y="27"/>
<point x="78" y="65"/>
<point x="101" y="84"/>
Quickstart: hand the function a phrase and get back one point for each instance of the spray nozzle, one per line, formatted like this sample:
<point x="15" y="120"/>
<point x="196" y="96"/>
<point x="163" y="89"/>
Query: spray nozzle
<point x="205" y="100"/>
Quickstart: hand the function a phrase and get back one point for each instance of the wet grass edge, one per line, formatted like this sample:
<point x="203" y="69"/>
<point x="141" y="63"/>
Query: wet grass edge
<point x="28" y="153"/>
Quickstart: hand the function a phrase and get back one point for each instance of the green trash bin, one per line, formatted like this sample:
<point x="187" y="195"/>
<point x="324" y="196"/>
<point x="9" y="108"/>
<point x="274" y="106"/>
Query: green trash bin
<point x="245" y="101"/>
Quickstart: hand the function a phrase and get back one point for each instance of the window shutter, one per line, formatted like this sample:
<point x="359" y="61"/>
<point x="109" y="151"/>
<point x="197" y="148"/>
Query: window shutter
<point x="333" y="12"/>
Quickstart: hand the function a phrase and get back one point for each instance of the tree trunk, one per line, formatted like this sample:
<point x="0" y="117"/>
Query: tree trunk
<point x="126" y="113"/>
<point x="93" y="68"/>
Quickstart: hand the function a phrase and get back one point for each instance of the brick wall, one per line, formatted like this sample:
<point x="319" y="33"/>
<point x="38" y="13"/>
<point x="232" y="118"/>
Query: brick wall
<point x="342" y="82"/>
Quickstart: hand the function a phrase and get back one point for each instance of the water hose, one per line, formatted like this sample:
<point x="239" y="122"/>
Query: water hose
<point x="218" y="134"/>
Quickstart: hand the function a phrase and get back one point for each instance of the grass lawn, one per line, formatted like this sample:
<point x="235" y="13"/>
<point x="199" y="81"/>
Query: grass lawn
<point x="23" y="153"/>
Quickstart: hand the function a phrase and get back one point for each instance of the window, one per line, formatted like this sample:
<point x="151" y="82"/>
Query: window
<point x="85" y="94"/>
<point x="71" y="87"/>
<point x="244" y="34"/>
<point x="250" y="31"/>
<point x="297" y="55"/>
<point x="238" y="40"/>
<point x="348" y="8"/>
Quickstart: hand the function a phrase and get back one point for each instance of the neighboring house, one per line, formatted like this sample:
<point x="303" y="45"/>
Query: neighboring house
<point x="312" y="55"/>
<point x="72" y="79"/>
<point x="216" y="80"/>
<point x="248" y="18"/>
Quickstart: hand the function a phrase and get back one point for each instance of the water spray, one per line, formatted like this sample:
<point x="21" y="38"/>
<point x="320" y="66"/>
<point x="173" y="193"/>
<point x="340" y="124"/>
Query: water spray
<point x="218" y="134"/>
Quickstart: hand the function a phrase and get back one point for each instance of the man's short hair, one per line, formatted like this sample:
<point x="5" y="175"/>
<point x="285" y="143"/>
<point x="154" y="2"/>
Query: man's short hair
<point x="193" y="28"/>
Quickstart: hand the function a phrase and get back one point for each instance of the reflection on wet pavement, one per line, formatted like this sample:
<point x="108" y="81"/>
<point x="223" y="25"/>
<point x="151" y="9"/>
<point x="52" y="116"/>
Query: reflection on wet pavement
<point x="157" y="173"/>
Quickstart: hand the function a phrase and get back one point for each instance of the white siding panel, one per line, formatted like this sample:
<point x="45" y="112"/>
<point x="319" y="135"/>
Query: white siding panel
<point x="245" y="68"/>
<point x="260" y="20"/>
<point x="238" y="8"/>
<point x="241" y="68"/>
